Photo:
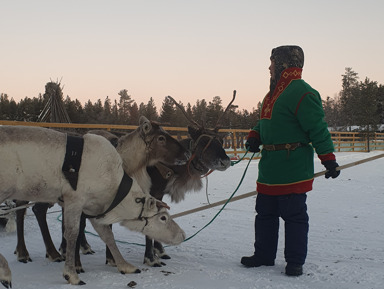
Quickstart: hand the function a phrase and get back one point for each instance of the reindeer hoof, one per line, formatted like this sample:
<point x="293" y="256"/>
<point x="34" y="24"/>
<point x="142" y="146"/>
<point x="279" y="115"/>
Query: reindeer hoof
<point x="24" y="260"/>
<point x="66" y="277"/>
<point x="87" y="250"/>
<point x="136" y="271"/>
<point x="166" y="257"/>
<point x="56" y="259"/>
<point x="110" y="262"/>
<point x="6" y="284"/>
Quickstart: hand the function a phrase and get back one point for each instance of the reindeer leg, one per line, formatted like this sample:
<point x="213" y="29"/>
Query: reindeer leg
<point x="109" y="260"/>
<point x="63" y="245"/>
<point x="40" y="211"/>
<point x="72" y="225"/>
<point x="159" y="250"/>
<point x="150" y="257"/>
<point x="84" y="246"/>
<point x="79" y="267"/>
<point x="106" y="234"/>
<point x="5" y="273"/>
<point x="21" y="249"/>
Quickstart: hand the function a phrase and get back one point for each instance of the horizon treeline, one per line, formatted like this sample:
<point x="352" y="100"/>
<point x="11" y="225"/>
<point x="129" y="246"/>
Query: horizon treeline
<point x="360" y="104"/>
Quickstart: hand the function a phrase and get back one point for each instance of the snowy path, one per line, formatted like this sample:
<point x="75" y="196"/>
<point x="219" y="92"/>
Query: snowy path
<point x="346" y="240"/>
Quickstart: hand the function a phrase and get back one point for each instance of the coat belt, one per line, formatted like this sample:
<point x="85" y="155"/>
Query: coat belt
<point x="281" y="147"/>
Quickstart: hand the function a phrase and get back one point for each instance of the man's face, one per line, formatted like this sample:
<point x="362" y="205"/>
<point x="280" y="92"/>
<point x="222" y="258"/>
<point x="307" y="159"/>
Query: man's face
<point x="272" y="69"/>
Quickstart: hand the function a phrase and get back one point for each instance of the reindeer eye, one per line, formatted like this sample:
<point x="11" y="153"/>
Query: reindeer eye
<point x="161" y="138"/>
<point x="163" y="218"/>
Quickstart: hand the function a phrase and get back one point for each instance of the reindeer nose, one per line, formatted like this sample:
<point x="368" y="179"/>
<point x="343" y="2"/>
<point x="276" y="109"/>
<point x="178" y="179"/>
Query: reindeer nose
<point x="224" y="164"/>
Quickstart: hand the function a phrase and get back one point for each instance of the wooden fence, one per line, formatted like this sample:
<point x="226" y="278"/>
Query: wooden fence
<point x="234" y="142"/>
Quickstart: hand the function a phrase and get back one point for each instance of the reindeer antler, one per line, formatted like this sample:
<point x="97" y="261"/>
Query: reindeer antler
<point x="225" y="111"/>
<point x="183" y="111"/>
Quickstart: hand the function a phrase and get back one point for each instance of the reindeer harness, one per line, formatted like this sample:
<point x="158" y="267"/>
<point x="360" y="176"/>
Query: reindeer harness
<point x="72" y="159"/>
<point x="71" y="167"/>
<point x="193" y="149"/>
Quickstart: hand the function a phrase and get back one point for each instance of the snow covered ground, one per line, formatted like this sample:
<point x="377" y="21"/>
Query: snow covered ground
<point x="346" y="240"/>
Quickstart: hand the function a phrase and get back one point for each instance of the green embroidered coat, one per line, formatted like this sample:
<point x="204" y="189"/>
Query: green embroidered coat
<point x="294" y="113"/>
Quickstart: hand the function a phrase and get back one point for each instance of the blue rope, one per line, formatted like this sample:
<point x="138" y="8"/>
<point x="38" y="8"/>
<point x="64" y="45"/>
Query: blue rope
<point x="236" y="162"/>
<point x="229" y="199"/>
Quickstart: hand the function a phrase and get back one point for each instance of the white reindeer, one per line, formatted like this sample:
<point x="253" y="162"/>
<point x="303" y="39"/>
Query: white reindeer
<point x="31" y="162"/>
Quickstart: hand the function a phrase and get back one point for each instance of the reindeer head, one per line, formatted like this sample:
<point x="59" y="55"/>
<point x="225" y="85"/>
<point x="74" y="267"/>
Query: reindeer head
<point x="154" y="221"/>
<point x="206" y="145"/>
<point x="207" y="150"/>
<point x="161" y="146"/>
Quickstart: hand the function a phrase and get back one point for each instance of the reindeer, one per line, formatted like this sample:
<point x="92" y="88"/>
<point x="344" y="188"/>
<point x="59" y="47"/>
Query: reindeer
<point x="206" y="148"/>
<point x="31" y="170"/>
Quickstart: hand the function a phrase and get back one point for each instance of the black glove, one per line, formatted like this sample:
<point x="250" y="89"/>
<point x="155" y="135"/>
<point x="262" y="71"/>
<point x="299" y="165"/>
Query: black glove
<point x="331" y="166"/>
<point x="253" y="144"/>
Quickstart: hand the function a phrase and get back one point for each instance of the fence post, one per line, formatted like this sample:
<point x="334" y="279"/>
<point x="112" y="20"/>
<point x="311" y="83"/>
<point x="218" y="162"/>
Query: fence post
<point x="234" y="140"/>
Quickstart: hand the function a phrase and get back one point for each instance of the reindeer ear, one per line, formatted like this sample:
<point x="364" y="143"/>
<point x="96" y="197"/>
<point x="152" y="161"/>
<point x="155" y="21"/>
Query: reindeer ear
<point x="145" y="125"/>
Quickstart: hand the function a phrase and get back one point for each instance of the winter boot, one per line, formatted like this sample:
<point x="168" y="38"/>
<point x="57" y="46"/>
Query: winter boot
<point x="254" y="261"/>
<point x="293" y="269"/>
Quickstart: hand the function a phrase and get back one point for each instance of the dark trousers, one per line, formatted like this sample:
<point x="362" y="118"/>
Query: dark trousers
<point x="293" y="210"/>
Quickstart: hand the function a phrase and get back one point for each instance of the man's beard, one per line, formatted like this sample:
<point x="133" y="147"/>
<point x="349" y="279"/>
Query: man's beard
<point x="272" y="85"/>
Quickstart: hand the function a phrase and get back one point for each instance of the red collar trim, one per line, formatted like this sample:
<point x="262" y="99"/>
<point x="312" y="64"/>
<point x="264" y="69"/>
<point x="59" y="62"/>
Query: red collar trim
<point x="286" y="77"/>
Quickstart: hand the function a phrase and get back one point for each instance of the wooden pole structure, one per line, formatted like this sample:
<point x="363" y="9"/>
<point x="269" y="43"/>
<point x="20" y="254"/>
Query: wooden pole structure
<point x="250" y="194"/>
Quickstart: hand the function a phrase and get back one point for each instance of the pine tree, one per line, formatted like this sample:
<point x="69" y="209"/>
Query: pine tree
<point x="214" y="110"/>
<point x="151" y="112"/>
<point x="115" y="112"/>
<point x="199" y="111"/>
<point x="348" y="96"/>
<point x="134" y="114"/>
<point x="168" y="113"/>
<point x="107" y="111"/>
<point x="366" y="109"/>
<point x="124" y="106"/>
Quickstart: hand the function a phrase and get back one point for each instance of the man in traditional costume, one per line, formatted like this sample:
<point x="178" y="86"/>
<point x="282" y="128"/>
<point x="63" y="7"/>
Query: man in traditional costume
<point x="290" y="128"/>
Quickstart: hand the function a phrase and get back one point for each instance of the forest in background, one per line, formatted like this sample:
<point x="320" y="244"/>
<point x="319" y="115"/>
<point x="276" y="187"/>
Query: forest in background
<point x="358" y="106"/>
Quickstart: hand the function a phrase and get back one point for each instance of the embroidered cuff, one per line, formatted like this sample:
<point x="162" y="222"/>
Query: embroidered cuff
<point x="327" y="157"/>
<point x="253" y="133"/>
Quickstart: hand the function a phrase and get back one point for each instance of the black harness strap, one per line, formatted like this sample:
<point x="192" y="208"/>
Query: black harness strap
<point x="122" y="192"/>
<point x="72" y="160"/>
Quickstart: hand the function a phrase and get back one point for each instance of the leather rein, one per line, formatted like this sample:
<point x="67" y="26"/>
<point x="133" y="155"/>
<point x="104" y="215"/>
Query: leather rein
<point x="193" y="147"/>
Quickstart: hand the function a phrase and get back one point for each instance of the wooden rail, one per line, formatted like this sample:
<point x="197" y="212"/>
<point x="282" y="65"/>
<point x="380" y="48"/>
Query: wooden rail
<point x="234" y="142"/>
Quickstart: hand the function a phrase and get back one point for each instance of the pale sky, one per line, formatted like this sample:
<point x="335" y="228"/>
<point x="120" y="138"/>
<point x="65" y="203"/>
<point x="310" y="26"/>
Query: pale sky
<point x="191" y="50"/>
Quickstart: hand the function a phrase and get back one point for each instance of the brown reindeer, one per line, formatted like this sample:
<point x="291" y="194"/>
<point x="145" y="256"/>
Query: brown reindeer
<point x="206" y="148"/>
